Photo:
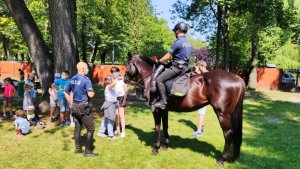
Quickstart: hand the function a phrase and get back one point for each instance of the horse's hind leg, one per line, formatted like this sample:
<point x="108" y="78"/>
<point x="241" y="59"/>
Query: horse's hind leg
<point x="157" y="121"/>
<point x="225" y="123"/>
<point x="165" y="129"/>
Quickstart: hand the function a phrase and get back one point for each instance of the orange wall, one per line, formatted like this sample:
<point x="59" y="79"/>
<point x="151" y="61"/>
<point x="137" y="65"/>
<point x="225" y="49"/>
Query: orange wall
<point x="10" y="69"/>
<point x="101" y="71"/>
<point x="268" y="78"/>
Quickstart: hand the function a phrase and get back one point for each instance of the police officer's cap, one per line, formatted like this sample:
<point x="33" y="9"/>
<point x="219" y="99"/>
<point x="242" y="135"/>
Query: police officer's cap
<point x="181" y="26"/>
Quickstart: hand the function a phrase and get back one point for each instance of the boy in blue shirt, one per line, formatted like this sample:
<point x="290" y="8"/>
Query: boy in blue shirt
<point x="64" y="108"/>
<point x="21" y="124"/>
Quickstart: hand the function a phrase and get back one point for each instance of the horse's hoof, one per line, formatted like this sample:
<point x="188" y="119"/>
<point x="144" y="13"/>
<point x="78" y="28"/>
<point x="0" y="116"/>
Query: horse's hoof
<point x="220" y="163"/>
<point x="154" y="152"/>
<point x="165" y="147"/>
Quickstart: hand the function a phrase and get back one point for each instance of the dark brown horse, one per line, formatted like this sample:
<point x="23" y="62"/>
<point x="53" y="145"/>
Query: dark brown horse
<point x="224" y="91"/>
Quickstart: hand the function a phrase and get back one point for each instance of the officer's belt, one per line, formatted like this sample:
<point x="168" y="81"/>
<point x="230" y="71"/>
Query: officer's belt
<point x="179" y="63"/>
<point x="77" y="102"/>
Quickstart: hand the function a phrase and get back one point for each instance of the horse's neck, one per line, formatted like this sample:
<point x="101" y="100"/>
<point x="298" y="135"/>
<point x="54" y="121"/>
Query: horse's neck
<point x="145" y="70"/>
<point x="147" y="86"/>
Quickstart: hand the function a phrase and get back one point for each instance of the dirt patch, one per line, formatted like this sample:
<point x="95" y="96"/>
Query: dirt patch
<point x="273" y="119"/>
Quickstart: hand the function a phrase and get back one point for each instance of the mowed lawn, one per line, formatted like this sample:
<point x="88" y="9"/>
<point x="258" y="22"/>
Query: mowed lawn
<point x="271" y="140"/>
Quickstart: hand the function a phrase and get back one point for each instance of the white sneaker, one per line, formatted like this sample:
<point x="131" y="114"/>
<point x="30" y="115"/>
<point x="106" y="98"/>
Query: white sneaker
<point x="117" y="132"/>
<point x="122" y="134"/>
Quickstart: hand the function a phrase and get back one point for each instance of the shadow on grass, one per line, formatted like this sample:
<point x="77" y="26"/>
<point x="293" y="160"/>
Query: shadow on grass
<point x="178" y="142"/>
<point x="273" y="126"/>
<point x="53" y="130"/>
<point x="188" y="123"/>
<point x="256" y="95"/>
<point x="11" y="129"/>
<point x="66" y="141"/>
<point x="139" y="107"/>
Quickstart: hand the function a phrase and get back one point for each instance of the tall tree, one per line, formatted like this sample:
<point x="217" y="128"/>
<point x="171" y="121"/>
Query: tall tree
<point x="209" y="16"/>
<point x="34" y="40"/>
<point x="263" y="14"/>
<point x="63" y="28"/>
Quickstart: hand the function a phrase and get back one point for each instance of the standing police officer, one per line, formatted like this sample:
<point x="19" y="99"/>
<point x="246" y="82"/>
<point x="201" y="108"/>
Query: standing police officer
<point x="82" y="89"/>
<point x="180" y="54"/>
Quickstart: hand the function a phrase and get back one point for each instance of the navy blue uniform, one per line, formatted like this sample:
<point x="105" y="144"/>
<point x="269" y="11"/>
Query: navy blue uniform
<point x="181" y="50"/>
<point x="80" y="86"/>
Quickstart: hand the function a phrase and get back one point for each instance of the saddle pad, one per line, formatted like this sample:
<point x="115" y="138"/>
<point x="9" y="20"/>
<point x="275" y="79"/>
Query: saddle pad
<point x="180" y="86"/>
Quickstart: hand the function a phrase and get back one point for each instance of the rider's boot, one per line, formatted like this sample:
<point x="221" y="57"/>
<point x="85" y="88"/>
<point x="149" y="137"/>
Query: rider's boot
<point x="154" y="76"/>
<point x="162" y="104"/>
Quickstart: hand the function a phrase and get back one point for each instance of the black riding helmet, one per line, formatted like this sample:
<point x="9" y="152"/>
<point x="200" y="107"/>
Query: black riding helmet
<point x="181" y="26"/>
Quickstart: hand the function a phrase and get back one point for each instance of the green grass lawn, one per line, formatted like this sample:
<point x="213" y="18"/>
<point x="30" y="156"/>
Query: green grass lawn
<point x="271" y="140"/>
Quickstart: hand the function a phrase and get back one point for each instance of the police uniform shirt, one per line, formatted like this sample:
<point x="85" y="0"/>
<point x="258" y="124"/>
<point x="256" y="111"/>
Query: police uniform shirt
<point x="80" y="85"/>
<point x="181" y="49"/>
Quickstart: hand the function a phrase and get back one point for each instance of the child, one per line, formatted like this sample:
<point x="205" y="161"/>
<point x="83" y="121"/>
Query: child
<point x="109" y="107"/>
<point x="53" y="102"/>
<point x="27" y="102"/>
<point x="201" y="68"/>
<point x="9" y="93"/>
<point x="21" y="124"/>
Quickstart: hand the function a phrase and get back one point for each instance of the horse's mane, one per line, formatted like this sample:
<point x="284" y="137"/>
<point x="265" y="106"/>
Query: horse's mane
<point x="144" y="59"/>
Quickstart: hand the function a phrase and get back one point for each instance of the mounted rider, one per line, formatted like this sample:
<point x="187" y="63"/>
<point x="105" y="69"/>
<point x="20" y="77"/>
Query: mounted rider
<point x="179" y="53"/>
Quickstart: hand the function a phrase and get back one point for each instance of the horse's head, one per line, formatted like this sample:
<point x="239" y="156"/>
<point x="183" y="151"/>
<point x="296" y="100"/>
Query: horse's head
<point x="131" y="73"/>
<point x="137" y="68"/>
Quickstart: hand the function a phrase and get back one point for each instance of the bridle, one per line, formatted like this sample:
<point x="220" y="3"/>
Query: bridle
<point x="134" y="70"/>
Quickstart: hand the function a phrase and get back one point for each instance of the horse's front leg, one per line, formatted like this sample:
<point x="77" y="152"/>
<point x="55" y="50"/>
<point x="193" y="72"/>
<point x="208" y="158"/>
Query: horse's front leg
<point x="157" y="121"/>
<point x="165" y="121"/>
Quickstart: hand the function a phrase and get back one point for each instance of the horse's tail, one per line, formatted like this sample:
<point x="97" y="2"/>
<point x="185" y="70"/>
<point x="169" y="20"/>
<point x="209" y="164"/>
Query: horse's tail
<point x="237" y="124"/>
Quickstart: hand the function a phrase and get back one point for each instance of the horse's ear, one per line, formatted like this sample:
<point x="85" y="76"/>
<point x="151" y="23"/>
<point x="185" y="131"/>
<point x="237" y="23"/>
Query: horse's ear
<point x="129" y="56"/>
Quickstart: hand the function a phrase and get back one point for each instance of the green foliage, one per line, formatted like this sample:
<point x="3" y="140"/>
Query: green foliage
<point x="266" y="142"/>
<point x="129" y="26"/>
<point x="287" y="56"/>
<point x="9" y="29"/>
<point x="240" y="44"/>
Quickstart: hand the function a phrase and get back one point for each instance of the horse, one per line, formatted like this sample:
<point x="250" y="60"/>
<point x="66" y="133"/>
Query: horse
<point x="224" y="91"/>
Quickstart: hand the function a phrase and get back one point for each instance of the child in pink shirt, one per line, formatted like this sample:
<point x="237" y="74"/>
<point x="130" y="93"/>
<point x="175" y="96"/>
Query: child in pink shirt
<point x="9" y="93"/>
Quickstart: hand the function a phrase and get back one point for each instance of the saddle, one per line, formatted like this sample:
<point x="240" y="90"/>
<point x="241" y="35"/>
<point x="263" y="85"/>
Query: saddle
<point x="178" y="86"/>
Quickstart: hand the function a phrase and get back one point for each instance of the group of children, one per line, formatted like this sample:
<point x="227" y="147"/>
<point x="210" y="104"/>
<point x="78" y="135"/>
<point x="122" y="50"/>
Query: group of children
<point x="114" y="100"/>
<point x="24" y="117"/>
<point x="57" y="103"/>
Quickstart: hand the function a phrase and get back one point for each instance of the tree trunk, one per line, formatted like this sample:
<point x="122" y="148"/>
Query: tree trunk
<point x="16" y="57"/>
<point x="34" y="40"/>
<point x="83" y="39"/>
<point x="226" y="38"/>
<point x="22" y="57"/>
<point x="102" y="57"/>
<point x="5" y="43"/>
<point x="254" y="62"/>
<point x="219" y="34"/>
<point x="63" y="27"/>
<point x="93" y="58"/>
